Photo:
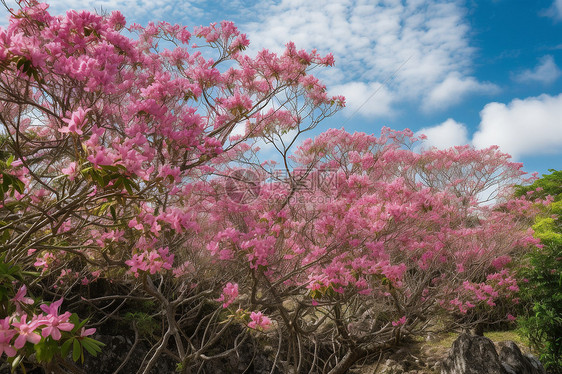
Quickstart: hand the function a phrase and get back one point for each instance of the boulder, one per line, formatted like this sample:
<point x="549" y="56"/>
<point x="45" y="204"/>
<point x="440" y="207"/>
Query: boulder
<point x="477" y="354"/>
<point x="472" y="355"/>
<point x="516" y="362"/>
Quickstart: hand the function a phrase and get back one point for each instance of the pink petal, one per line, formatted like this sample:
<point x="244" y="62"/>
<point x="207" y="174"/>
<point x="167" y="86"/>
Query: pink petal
<point x="33" y="338"/>
<point x="47" y="331"/>
<point x="20" y="342"/>
<point x="56" y="334"/>
<point x="10" y="352"/>
<point x="87" y="332"/>
<point x="66" y="326"/>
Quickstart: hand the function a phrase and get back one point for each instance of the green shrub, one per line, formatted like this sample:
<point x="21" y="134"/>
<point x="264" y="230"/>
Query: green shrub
<point x="541" y="288"/>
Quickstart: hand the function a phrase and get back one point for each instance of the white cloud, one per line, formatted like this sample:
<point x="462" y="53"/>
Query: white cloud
<point x="445" y="135"/>
<point x="139" y="11"/>
<point x="545" y="72"/>
<point x="414" y="47"/>
<point x="555" y="10"/>
<point x="372" y="99"/>
<point x="414" y="51"/>
<point x="523" y="127"/>
<point x="453" y="89"/>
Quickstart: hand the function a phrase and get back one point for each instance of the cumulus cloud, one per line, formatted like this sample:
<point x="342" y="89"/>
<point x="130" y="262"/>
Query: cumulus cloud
<point x="373" y="99"/>
<point x="445" y="135"/>
<point x="455" y="88"/>
<point x="418" y="48"/>
<point x="545" y="72"/>
<point x="522" y="127"/>
<point x="139" y="11"/>
<point x="555" y="10"/>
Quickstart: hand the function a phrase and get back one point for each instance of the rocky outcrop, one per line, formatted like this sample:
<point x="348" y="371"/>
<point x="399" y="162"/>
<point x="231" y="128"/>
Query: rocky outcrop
<point x="472" y="355"/>
<point x="515" y="362"/>
<point x="477" y="355"/>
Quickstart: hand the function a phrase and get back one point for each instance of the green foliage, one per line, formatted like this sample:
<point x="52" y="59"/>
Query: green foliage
<point x="80" y="343"/>
<point x="551" y="184"/>
<point x="146" y="325"/>
<point x="104" y="174"/>
<point x="9" y="183"/>
<point x="542" y="289"/>
<point x="10" y="274"/>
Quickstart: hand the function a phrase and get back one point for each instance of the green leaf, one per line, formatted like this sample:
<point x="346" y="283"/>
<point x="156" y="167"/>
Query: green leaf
<point x="96" y="342"/>
<point x="46" y="350"/>
<point x="18" y="185"/>
<point x="74" y="320"/>
<point x="111" y="168"/>
<point x="127" y="185"/>
<point x="76" y="350"/>
<point x="66" y="347"/>
<point x="6" y="181"/>
<point x="113" y="213"/>
<point x="91" y="346"/>
<point x="81" y="324"/>
<point x="20" y="61"/>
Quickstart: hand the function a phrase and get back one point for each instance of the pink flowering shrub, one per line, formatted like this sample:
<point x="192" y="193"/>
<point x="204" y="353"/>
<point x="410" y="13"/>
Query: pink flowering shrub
<point x="124" y="188"/>
<point x="378" y="231"/>
<point x="25" y="331"/>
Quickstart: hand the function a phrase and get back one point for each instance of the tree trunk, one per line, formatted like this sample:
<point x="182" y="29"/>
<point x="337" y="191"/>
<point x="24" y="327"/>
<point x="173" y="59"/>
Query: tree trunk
<point x="348" y="360"/>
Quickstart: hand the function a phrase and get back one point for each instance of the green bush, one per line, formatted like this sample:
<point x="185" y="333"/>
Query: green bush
<point x="541" y="288"/>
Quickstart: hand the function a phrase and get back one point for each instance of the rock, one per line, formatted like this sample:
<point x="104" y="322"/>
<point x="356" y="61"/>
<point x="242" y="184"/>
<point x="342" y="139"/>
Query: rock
<point x="536" y="363"/>
<point x="477" y="355"/>
<point x="472" y="355"/>
<point x="511" y="356"/>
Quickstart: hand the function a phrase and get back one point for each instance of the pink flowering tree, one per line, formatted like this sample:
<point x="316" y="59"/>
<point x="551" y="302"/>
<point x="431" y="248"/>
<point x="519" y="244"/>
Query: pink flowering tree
<point x="106" y="144"/>
<point x="132" y="185"/>
<point x="361" y="242"/>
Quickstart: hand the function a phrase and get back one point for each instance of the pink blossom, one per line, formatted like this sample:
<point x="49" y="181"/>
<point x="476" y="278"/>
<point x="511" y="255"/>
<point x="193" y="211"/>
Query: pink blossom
<point x="26" y="332"/>
<point x="400" y="322"/>
<point x="229" y="294"/>
<point x="44" y="261"/>
<point x="6" y="334"/>
<point x="87" y="332"/>
<point x="55" y="324"/>
<point x="19" y="299"/>
<point x="259" y="321"/>
<point x="137" y="263"/>
<point x="75" y="122"/>
<point x="70" y="170"/>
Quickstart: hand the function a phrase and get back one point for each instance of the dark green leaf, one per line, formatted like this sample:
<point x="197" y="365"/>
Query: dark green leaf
<point x="76" y="350"/>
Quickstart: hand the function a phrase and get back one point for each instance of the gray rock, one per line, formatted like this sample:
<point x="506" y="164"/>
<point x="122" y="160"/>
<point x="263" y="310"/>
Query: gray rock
<point x="472" y="355"/>
<point x="536" y="363"/>
<point x="477" y="355"/>
<point x="511" y="355"/>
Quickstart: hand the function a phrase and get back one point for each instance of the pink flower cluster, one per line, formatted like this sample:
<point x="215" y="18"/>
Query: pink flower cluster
<point x="229" y="294"/>
<point x="152" y="261"/>
<point x="18" y="329"/>
<point x="259" y="321"/>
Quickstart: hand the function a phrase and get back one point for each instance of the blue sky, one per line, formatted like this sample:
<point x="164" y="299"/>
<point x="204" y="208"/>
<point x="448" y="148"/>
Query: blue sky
<point x="481" y="72"/>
